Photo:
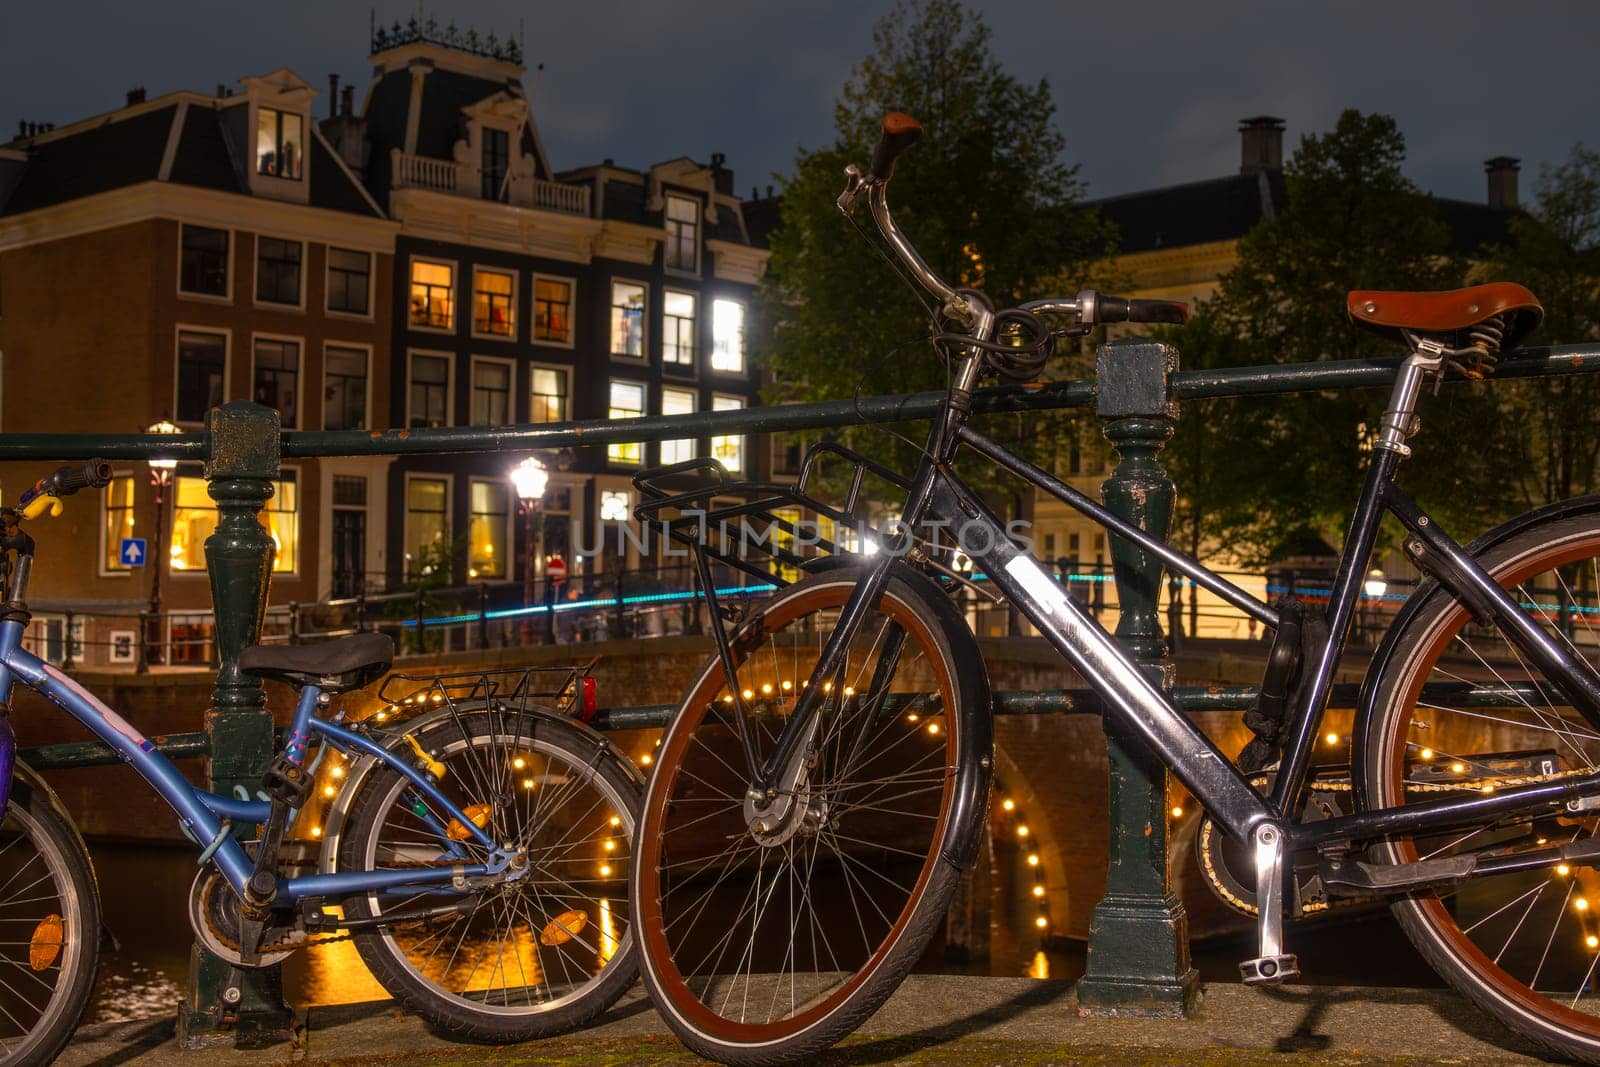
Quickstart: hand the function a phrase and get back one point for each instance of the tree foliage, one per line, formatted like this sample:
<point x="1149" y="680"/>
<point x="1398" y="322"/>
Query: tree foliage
<point x="983" y="197"/>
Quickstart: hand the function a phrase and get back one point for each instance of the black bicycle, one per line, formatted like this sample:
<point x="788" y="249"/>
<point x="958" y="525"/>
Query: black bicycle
<point x="824" y="783"/>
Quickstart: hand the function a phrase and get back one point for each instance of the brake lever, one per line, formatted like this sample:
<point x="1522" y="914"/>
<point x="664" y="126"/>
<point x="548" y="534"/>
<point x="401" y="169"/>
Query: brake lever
<point x="855" y="182"/>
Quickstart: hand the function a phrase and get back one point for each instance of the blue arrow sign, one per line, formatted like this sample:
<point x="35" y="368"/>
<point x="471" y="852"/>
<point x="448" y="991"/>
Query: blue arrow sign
<point x="132" y="554"/>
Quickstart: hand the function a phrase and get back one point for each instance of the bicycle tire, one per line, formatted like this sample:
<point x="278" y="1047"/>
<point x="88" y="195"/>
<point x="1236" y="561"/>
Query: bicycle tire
<point x="35" y="812"/>
<point x="1405" y="744"/>
<point x="552" y="761"/>
<point x="866" y="830"/>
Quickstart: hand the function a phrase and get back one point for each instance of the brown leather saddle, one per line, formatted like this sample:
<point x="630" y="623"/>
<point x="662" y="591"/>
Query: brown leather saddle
<point x="1501" y="312"/>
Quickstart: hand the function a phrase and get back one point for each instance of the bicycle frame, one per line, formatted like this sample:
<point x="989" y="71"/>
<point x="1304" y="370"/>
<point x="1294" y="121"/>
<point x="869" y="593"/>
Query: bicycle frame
<point x="204" y="815"/>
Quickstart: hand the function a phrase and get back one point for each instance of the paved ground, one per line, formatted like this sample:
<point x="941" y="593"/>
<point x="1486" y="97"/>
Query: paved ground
<point x="932" y="1019"/>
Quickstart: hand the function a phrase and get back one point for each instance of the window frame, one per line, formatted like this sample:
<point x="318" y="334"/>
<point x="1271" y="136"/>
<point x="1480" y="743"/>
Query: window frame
<point x="327" y="287"/>
<point x="105" y="570"/>
<point x="692" y="442"/>
<point x="299" y="373"/>
<point x="566" y="374"/>
<point x="177" y="361"/>
<point x="667" y="223"/>
<point x="516" y="318"/>
<point x="511" y="389"/>
<point x="644" y="407"/>
<point x="449" y="480"/>
<point x="744" y="357"/>
<point x="510" y="529"/>
<point x="739" y="404"/>
<point x="449" y="387"/>
<point x="644" y="322"/>
<point x="572" y="310"/>
<point x="211" y="298"/>
<point x="203" y="573"/>
<point x="299" y="516"/>
<point x="305" y="147"/>
<point x="354" y="346"/>
<point x="255" y="278"/>
<point x="455" y="294"/>
<point x="690" y="366"/>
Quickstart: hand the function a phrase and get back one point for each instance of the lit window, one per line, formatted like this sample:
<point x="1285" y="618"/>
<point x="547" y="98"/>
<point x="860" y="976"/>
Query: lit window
<point x="727" y="335"/>
<point x="547" y="401"/>
<point x="205" y="261"/>
<point x="349" y="278"/>
<point x="344" y="393"/>
<point x="493" y="303"/>
<point x="433" y="295"/>
<point x="627" y="319"/>
<point x="627" y="402"/>
<point x="277" y="379"/>
<point x="552" y="311"/>
<point x="491" y="393"/>
<point x="118" y="503"/>
<point x="728" y="448"/>
<point x="677" y="328"/>
<point x="430" y="391"/>
<point x="616" y="505"/>
<point x="280" y="143"/>
<point x="783" y="543"/>
<point x="677" y="402"/>
<point x="194" y="517"/>
<point x="277" y="271"/>
<point x="683" y="226"/>
<point x="427" y="523"/>
<point x="487" y="530"/>
<point x="201" y="357"/>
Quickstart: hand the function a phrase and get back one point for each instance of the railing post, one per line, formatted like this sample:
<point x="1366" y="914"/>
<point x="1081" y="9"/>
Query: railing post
<point x="66" y="647"/>
<point x="294" y="622"/>
<point x="1138" y="937"/>
<point x="483" y="614"/>
<point x="141" y="662"/>
<point x="242" y="463"/>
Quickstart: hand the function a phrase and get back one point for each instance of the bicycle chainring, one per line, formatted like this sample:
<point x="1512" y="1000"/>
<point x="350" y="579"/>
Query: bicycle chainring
<point x="214" y="917"/>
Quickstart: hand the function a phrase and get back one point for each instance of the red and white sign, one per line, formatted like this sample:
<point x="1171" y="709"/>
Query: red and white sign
<point x="556" y="569"/>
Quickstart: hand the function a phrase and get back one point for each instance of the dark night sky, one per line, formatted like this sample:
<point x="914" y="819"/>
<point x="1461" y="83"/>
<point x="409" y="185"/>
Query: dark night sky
<point x="1146" y="94"/>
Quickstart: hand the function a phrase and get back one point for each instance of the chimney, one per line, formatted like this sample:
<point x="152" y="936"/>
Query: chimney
<point x="1260" y="144"/>
<point x="135" y="95"/>
<point x="347" y="105"/>
<point x="1502" y="171"/>
<point x="333" y="96"/>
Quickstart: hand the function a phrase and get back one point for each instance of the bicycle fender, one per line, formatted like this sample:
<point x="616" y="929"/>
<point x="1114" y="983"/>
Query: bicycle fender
<point x="1366" y="720"/>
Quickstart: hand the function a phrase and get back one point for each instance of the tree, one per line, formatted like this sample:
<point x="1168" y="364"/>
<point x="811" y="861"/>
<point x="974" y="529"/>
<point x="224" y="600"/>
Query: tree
<point x="984" y="197"/>
<point x="1352" y="221"/>
<point x="1555" y="251"/>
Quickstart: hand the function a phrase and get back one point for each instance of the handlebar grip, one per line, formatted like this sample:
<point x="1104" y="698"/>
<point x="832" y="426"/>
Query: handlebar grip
<point x="65" y="481"/>
<point x="900" y="132"/>
<point x="1109" y="308"/>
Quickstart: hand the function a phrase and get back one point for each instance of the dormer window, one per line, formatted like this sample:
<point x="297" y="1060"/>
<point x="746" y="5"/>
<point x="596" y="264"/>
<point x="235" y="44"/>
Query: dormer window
<point x="280" y="143"/>
<point x="683" y="233"/>
<point x="496" y="160"/>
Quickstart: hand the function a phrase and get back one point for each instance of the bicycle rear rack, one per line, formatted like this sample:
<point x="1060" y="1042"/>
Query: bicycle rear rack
<point x="557" y="686"/>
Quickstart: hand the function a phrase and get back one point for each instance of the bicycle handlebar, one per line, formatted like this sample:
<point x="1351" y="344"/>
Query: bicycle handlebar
<point x="62" y="482"/>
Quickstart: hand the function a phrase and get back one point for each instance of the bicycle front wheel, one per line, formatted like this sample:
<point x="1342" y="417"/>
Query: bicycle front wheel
<point x="768" y="937"/>
<point x="1525" y="946"/>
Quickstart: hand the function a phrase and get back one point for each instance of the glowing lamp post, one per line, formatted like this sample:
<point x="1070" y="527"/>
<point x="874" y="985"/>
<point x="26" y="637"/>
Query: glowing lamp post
<point x="529" y="478"/>
<point x="1375" y="586"/>
<point x="160" y="477"/>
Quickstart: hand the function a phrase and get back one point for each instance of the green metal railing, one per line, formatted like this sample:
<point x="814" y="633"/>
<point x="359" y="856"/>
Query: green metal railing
<point x="1138" y="958"/>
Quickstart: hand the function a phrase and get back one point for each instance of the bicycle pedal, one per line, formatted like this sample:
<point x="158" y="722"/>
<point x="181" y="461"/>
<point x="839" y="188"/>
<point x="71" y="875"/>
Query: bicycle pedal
<point x="1270" y="970"/>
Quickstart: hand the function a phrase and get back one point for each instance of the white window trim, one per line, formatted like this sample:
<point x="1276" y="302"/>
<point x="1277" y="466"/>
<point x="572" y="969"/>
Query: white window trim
<point x="372" y="284"/>
<point x="691" y="369"/>
<point x="362" y="347"/>
<point x="699" y="235"/>
<point x="472" y="312"/>
<point x="644" y="326"/>
<point x="455" y="295"/>
<point x="449" y="481"/>
<point x="227" y="362"/>
<point x="693" y="442"/>
<point x="644" y="408"/>
<point x="299" y="374"/>
<point x="510" y="531"/>
<point x="105" y="511"/>
<point x="255" y="274"/>
<point x="572" y="311"/>
<point x="291" y="188"/>
<point x="208" y="298"/>
<point x="472" y="386"/>
<point x="449" y="387"/>
<point x="565" y="372"/>
<point x="299" y="518"/>
<point x="744" y="349"/>
<point x="183" y="574"/>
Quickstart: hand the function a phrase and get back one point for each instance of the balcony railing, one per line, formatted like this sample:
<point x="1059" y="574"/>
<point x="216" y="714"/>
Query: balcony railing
<point x="446" y="176"/>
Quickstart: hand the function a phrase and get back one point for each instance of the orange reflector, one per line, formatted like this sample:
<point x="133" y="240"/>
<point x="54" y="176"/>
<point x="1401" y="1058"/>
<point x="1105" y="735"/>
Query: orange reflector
<point x="478" y="813"/>
<point x="45" y="945"/>
<point x="564" y="927"/>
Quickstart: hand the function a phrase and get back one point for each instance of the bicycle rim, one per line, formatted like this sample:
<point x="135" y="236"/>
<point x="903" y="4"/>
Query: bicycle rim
<point x="43" y="933"/>
<point x="1525" y="944"/>
<point x="755" y="940"/>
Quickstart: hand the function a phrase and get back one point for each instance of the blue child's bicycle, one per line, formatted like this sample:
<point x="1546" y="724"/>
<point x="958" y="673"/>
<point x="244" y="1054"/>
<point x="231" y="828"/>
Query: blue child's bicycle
<point x="477" y="853"/>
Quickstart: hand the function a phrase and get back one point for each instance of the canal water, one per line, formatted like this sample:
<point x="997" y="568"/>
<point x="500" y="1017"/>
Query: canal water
<point x="145" y="886"/>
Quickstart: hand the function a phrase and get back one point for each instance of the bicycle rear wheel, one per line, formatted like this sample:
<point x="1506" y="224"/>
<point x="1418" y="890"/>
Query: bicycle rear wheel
<point x="1524" y="946"/>
<point x="764" y="938"/>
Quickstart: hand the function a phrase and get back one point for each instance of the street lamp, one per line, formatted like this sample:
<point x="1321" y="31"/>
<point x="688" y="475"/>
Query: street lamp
<point x="1375" y="586"/>
<point x="529" y="479"/>
<point x="160" y="477"/>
